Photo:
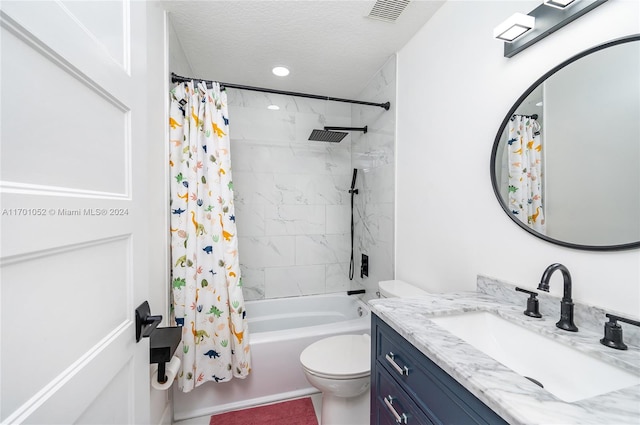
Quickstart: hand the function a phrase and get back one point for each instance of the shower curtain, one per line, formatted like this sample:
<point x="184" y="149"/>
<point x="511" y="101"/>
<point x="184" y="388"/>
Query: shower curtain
<point x="524" y="153"/>
<point x="207" y="296"/>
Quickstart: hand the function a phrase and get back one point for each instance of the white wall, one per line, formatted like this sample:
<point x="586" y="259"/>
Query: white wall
<point x="158" y="221"/>
<point x="178" y="62"/>
<point x="454" y="89"/>
<point x="599" y="110"/>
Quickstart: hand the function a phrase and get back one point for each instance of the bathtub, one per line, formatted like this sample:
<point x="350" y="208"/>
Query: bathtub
<point x="279" y="330"/>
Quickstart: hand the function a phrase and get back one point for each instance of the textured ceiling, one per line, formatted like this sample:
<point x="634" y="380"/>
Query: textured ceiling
<point x="331" y="47"/>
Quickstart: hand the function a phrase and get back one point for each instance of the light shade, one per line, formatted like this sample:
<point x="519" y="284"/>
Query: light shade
<point x="559" y="4"/>
<point x="515" y="26"/>
<point x="280" y="71"/>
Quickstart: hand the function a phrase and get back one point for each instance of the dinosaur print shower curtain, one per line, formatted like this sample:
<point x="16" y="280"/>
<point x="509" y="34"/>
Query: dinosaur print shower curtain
<point x="207" y="296"/>
<point x="524" y="153"/>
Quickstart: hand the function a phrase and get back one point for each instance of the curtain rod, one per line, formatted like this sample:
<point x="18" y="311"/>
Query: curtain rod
<point x="534" y="116"/>
<point x="179" y="79"/>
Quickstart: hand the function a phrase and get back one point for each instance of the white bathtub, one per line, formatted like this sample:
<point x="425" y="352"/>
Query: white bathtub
<point x="279" y="330"/>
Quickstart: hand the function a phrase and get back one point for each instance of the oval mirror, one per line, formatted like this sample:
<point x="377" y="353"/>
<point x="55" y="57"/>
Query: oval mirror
<point x="565" y="163"/>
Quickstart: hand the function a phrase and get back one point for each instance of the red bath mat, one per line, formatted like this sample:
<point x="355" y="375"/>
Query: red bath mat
<point x="293" y="412"/>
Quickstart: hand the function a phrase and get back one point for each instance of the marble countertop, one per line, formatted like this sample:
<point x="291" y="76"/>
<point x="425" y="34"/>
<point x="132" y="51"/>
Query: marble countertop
<point x="513" y="397"/>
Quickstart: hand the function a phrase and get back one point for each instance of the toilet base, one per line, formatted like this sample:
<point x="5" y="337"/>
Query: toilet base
<point x="345" y="410"/>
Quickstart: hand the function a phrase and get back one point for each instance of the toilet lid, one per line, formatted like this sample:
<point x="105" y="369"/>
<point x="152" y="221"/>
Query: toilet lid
<point x="399" y="289"/>
<point x="342" y="356"/>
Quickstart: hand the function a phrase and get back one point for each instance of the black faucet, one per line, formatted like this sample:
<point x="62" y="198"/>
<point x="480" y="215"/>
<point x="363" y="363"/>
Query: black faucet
<point x="533" y="307"/>
<point x="566" y="305"/>
<point x="613" y="331"/>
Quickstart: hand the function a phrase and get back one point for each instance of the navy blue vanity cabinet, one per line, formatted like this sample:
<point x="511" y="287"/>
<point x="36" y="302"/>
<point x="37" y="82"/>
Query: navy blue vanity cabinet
<point x="407" y="387"/>
<point x="392" y="405"/>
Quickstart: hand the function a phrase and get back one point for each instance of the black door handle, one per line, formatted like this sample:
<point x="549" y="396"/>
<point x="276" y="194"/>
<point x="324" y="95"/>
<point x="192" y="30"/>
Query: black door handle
<point x="145" y="322"/>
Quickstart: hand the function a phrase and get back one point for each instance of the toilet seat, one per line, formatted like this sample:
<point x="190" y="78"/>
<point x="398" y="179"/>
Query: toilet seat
<point x="338" y="357"/>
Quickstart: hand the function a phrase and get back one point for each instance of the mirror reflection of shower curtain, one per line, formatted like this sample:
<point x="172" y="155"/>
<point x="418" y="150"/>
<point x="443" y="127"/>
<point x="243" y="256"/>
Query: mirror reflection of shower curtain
<point x="524" y="158"/>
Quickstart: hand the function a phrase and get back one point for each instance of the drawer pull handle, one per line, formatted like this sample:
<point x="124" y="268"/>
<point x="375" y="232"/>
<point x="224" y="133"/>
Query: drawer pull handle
<point x="391" y="359"/>
<point x="400" y="419"/>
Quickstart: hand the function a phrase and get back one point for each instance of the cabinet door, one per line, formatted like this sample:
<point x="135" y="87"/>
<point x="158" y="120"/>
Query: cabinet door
<point x="393" y="405"/>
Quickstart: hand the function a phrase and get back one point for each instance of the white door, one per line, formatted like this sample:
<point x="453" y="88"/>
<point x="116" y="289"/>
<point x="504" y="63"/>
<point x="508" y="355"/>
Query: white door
<point x="73" y="256"/>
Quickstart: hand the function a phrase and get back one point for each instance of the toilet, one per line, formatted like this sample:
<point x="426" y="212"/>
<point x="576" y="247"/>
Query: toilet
<point x="340" y="367"/>
<point x="399" y="289"/>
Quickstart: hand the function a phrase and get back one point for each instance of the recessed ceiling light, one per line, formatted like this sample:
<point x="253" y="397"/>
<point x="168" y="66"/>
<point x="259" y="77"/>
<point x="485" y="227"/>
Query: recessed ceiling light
<point x="280" y="71"/>
<point x="273" y="107"/>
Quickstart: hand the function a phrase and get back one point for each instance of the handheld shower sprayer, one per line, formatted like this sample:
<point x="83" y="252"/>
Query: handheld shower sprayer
<point x="353" y="191"/>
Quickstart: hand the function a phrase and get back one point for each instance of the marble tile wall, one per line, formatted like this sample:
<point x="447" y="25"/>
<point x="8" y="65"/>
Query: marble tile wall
<point x="373" y="154"/>
<point x="291" y="195"/>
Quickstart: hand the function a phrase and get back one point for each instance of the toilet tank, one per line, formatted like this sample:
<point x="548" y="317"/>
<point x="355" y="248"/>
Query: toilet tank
<point x="399" y="289"/>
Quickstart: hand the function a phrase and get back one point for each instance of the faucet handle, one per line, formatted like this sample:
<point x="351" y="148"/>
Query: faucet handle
<point x="613" y="331"/>
<point x="533" y="306"/>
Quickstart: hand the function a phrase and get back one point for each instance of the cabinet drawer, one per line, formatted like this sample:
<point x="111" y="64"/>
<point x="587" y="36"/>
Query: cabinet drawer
<point x="393" y="405"/>
<point x="440" y="396"/>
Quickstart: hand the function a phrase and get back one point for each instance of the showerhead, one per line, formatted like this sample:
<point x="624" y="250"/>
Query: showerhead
<point x="329" y="135"/>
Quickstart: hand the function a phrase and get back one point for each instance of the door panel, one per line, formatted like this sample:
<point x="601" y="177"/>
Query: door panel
<point x="105" y="22"/>
<point x="78" y="163"/>
<point x="71" y="311"/>
<point x="102" y="409"/>
<point x="73" y="190"/>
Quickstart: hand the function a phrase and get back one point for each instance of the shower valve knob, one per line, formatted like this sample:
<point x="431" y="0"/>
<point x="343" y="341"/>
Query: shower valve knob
<point x="364" y="268"/>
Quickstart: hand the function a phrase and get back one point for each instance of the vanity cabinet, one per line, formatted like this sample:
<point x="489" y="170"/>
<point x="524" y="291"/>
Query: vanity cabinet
<point x="408" y="388"/>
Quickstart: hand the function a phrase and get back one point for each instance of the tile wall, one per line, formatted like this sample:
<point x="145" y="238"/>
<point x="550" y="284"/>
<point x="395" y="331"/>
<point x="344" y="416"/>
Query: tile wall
<point x="292" y="201"/>
<point x="373" y="154"/>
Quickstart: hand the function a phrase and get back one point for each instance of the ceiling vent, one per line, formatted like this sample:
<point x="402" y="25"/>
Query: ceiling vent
<point x="387" y="10"/>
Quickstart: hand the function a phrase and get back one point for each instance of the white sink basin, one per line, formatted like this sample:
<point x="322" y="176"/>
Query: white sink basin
<point x="564" y="371"/>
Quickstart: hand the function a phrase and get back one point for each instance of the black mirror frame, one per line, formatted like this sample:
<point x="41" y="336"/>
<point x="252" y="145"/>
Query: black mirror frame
<point x="494" y="150"/>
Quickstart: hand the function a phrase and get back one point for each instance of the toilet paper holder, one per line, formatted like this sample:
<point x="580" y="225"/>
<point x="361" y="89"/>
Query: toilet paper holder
<point x="162" y="341"/>
<point x="163" y="344"/>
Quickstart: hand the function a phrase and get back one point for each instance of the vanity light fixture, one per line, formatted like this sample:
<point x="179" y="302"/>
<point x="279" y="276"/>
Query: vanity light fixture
<point x="559" y="4"/>
<point x="280" y="71"/>
<point x="515" y="26"/>
<point x="547" y="21"/>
